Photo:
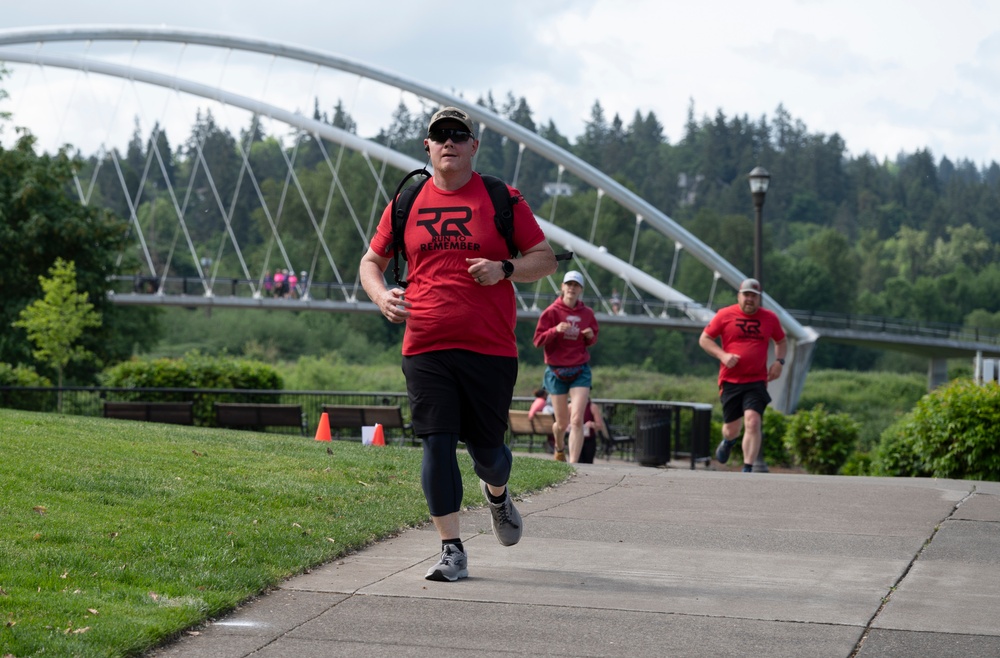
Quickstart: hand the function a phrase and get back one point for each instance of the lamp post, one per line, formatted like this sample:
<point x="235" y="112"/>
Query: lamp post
<point x="759" y="179"/>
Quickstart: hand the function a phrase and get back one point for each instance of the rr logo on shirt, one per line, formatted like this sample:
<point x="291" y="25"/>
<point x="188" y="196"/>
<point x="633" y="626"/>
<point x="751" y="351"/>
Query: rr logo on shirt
<point x="749" y="326"/>
<point x="451" y="227"/>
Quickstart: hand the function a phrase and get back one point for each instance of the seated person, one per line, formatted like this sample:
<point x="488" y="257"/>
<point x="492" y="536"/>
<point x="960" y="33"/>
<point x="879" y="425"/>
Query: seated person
<point x="539" y="404"/>
<point x="542" y="405"/>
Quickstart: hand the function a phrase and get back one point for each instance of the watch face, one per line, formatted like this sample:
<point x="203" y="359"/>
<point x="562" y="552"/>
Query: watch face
<point x="508" y="268"/>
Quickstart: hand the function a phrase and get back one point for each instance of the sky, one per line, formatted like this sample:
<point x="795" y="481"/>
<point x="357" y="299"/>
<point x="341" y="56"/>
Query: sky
<point x="888" y="76"/>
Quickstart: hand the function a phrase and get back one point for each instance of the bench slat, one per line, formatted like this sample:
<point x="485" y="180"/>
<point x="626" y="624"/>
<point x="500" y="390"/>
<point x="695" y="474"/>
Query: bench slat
<point x="521" y="425"/>
<point x="259" y="416"/>
<point x="174" y="413"/>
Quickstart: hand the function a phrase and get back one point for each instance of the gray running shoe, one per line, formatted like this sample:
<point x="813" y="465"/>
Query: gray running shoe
<point x="507" y="524"/>
<point x="454" y="564"/>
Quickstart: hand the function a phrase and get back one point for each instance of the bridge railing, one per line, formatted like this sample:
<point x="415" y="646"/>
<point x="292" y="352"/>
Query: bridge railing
<point x="340" y="292"/>
<point x="879" y="324"/>
<point x="333" y="291"/>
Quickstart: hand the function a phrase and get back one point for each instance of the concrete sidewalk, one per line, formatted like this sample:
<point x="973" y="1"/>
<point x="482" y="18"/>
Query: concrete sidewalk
<point x="625" y="560"/>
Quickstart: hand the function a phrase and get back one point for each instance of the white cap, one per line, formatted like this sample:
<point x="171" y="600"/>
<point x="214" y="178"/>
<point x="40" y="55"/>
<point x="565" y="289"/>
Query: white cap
<point x="573" y="276"/>
<point x="750" y="285"/>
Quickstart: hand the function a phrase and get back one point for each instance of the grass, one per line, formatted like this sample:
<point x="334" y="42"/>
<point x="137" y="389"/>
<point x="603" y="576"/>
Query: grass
<point x="115" y="535"/>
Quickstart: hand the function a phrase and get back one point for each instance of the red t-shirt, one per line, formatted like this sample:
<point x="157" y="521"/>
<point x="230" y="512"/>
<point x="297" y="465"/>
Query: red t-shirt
<point x="450" y="310"/>
<point x="749" y="337"/>
<point x="568" y="348"/>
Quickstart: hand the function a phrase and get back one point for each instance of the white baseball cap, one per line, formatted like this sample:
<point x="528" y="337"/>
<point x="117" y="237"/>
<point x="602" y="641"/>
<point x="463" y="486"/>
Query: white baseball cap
<point x="573" y="276"/>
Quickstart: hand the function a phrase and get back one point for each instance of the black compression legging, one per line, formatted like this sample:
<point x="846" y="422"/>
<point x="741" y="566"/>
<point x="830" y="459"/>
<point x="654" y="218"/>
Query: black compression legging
<point x="441" y="479"/>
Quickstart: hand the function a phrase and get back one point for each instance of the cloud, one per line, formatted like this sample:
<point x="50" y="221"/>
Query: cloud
<point x="983" y="72"/>
<point x="811" y="56"/>
<point x="870" y="71"/>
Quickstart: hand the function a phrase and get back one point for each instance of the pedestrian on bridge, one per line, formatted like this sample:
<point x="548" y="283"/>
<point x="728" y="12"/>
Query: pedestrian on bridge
<point x="459" y="348"/>
<point x="746" y="331"/>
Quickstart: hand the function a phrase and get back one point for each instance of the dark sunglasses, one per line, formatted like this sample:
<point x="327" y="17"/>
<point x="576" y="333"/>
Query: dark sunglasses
<point x="442" y="135"/>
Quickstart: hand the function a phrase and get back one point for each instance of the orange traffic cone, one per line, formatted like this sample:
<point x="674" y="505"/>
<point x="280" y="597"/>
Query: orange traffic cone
<point x="379" y="438"/>
<point x="323" y="431"/>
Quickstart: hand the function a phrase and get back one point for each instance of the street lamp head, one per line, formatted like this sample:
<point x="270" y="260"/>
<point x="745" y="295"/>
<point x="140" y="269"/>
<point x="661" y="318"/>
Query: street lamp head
<point x="759" y="178"/>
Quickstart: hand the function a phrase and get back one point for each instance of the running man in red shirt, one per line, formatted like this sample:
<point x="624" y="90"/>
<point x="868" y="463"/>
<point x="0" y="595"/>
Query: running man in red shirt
<point x="746" y="331"/>
<point x="459" y="349"/>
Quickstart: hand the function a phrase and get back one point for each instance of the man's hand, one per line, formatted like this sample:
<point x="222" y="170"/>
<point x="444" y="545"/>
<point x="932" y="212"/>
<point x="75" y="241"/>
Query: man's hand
<point x="775" y="371"/>
<point x="484" y="271"/>
<point x="729" y="360"/>
<point x="393" y="306"/>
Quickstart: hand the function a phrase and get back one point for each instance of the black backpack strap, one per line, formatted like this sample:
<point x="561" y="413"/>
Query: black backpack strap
<point x="402" y="202"/>
<point x="503" y="208"/>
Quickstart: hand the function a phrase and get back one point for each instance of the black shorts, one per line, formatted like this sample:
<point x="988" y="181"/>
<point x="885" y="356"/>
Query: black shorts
<point x="461" y="392"/>
<point x="737" y="398"/>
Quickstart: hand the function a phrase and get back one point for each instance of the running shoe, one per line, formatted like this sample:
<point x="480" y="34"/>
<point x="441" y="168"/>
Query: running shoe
<point x="507" y="524"/>
<point x="722" y="452"/>
<point x="454" y="564"/>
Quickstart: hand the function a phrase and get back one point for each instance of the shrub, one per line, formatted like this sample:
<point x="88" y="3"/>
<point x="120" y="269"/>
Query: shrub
<point x="195" y="370"/>
<point x="775" y="425"/>
<point x="859" y="463"/>
<point x="895" y="456"/>
<point x="24" y="376"/>
<point x="952" y="433"/>
<point x="820" y="441"/>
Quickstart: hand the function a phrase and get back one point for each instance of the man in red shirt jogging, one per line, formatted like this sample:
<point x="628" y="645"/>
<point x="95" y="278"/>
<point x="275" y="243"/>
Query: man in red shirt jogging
<point x="459" y="348"/>
<point x="746" y="331"/>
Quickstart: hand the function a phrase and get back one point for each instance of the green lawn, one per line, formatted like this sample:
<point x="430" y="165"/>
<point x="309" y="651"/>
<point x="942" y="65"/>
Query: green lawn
<point x="117" y="535"/>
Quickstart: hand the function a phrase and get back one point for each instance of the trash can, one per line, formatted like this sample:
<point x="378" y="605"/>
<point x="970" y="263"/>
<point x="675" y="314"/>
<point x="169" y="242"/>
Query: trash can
<point x="652" y="438"/>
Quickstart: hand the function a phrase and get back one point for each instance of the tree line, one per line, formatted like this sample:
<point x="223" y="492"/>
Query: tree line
<point x="913" y="237"/>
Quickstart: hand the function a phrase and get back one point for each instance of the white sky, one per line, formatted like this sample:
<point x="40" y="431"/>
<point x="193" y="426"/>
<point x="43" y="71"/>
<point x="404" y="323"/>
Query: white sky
<point x="887" y="75"/>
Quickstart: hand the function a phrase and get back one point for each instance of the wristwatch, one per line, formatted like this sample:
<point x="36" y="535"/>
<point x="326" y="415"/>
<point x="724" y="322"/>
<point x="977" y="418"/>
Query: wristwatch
<point x="508" y="268"/>
<point x="781" y="361"/>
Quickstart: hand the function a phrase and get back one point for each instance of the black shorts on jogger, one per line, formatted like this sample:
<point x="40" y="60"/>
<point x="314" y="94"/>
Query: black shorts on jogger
<point x="460" y="392"/>
<point x="736" y="398"/>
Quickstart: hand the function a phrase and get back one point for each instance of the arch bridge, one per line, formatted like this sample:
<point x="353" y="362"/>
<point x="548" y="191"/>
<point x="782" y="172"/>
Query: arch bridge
<point x="258" y="83"/>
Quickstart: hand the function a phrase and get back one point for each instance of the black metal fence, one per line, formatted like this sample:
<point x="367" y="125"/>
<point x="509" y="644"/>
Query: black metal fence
<point x="661" y="429"/>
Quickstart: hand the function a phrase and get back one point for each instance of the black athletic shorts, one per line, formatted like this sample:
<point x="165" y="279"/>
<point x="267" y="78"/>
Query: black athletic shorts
<point x="736" y="398"/>
<point x="461" y="392"/>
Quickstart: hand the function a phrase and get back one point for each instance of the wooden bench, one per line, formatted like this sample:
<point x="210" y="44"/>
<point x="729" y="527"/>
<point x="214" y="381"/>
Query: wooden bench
<point x="241" y="415"/>
<point x="521" y="425"/>
<point x="175" y="413"/>
<point x="354" y="417"/>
